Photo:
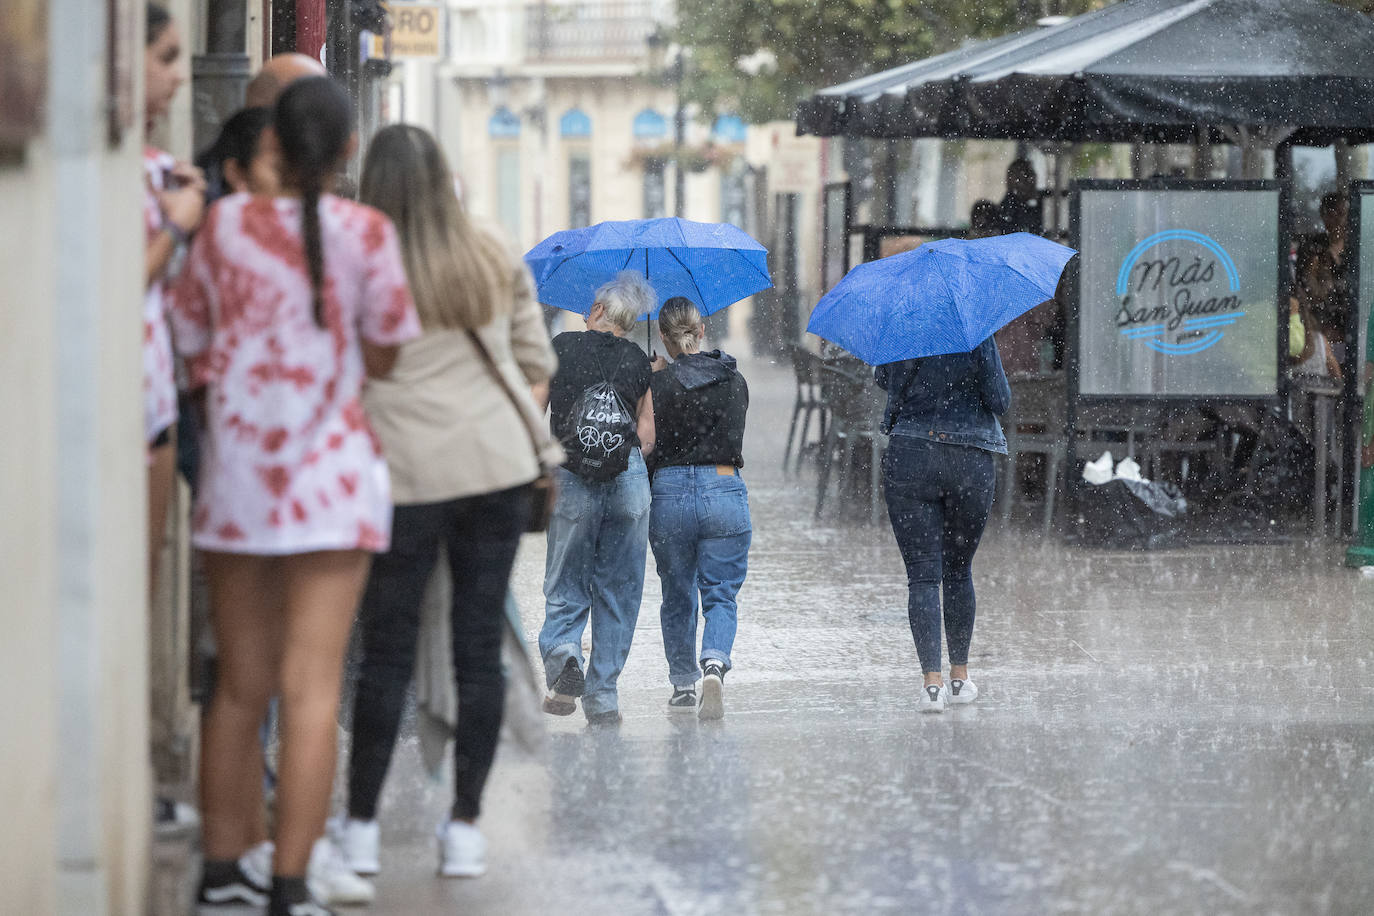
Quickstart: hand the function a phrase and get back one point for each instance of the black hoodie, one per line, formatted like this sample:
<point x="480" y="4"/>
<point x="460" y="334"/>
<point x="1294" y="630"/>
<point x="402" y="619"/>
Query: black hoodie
<point x="700" y="401"/>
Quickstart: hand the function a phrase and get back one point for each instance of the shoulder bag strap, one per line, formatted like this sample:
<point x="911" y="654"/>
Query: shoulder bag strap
<point x="495" y="371"/>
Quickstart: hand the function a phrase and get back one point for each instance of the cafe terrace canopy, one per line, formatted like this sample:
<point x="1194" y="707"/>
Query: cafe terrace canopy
<point x="1140" y="70"/>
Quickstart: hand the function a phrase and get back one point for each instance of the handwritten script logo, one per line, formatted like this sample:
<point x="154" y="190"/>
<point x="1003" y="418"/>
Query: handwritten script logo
<point x="1172" y="303"/>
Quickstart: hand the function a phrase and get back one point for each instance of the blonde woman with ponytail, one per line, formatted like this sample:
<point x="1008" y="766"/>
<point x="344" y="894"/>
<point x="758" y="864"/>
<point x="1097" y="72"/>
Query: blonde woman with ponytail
<point x="465" y="443"/>
<point x="286" y="304"/>
<point x="699" y="525"/>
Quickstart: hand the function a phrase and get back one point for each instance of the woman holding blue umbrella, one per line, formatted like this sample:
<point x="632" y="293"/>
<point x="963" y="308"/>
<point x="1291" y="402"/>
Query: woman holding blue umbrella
<point x="939" y="475"/>
<point x="925" y="318"/>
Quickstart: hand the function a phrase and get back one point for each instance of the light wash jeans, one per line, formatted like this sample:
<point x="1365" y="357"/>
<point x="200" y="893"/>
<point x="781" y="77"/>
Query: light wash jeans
<point x="598" y="538"/>
<point x="700" y="532"/>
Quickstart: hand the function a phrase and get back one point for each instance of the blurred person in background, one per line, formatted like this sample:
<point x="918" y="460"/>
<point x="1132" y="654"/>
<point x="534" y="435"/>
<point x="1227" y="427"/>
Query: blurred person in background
<point x="458" y="424"/>
<point x="173" y="206"/>
<point x="240" y="160"/>
<point x="286" y="304"/>
<point x="699" y="525"/>
<point x="1022" y="209"/>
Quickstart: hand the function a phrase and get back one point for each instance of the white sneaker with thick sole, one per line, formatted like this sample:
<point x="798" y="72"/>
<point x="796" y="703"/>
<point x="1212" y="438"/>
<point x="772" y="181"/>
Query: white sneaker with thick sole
<point x="360" y="842"/>
<point x="332" y="881"/>
<point x="962" y="692"/>
<point x="932" y="698"/>
<point x="256" y="863"/>
<point x="462" y="850"/>
<point x="712" y="692"/>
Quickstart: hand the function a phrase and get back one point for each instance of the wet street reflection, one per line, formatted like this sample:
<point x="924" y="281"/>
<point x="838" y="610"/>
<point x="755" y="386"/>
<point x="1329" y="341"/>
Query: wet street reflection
<point x="1181" y="731"/>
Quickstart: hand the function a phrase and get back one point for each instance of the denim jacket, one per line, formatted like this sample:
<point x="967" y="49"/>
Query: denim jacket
<point x="954" y="399"/>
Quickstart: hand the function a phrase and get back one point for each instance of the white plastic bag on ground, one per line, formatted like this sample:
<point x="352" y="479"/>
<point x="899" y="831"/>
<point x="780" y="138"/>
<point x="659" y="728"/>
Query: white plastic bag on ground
<point x="1100" y="471"/>
<point x="1128" y="470"/>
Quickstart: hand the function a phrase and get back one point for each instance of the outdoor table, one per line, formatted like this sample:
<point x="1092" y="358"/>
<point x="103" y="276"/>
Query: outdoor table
<point x="1323" y="392"/>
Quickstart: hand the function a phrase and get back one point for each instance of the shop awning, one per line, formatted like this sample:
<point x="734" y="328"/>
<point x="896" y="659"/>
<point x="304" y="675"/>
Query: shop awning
<point x="1151" y="70"/>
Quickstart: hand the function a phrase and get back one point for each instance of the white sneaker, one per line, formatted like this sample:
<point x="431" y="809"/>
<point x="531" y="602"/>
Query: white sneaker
<point x="332" y="881"/>
<point x="256" y="863"/>
<point x="932" y="699"/>
<point x="961" y="692"/>
<point x="462" y="850"/>
<point x="359" y="841"/>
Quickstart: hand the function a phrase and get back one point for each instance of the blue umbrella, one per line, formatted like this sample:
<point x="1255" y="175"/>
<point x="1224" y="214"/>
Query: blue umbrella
<point x="713" y="264"/>
<point x="944" y="297"/>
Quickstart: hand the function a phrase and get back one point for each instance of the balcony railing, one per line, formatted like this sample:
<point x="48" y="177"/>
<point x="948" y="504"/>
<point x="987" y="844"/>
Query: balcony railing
<point x="571" y="32"/>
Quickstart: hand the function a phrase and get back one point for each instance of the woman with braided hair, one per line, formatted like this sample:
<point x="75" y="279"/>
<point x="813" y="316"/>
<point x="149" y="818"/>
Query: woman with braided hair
<point x="287" y="304"/>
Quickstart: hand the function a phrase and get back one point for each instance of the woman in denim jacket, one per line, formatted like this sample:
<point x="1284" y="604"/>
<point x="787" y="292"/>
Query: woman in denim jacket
<point x="939" y="476"/>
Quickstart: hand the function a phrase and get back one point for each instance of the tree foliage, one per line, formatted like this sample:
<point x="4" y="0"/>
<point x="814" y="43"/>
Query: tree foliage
<point x="818" y="43"/>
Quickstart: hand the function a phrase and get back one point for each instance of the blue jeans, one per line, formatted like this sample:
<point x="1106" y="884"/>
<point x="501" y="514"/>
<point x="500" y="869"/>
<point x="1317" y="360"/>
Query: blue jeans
<point x="700" y="532"/>
<point x="598" y="538"/>
<point x="938" y="499"/>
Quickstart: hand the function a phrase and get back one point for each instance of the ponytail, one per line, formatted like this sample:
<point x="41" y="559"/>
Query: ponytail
<point x="313" y="120"/>
<point x="314" y="250"/>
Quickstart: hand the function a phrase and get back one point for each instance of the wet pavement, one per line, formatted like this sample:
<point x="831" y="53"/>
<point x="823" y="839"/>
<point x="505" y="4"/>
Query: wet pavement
<point x="1186" y="731"/>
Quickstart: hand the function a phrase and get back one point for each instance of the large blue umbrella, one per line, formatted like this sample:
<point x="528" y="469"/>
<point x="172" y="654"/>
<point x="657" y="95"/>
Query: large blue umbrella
<point x="944" y="297"/>
<point x="713" y="264"/>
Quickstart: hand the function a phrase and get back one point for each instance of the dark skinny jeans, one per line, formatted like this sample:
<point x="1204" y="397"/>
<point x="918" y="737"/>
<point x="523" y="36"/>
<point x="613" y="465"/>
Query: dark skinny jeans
<point x="481" y="535"/>
<point x="938" y="499"/>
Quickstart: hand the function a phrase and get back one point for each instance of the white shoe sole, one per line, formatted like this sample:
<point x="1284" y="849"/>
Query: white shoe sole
<point x="358" y="899"/>
<point x="682" y="710"/>
<point x="712" y="699"/>
<point x="462" y="871"/>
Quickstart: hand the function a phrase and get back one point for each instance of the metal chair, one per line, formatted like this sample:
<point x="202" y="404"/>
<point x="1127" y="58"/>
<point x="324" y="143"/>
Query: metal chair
<point x="855" y="408"/>
<point x="1035" y="425"/>
<point x="806" y="367"/>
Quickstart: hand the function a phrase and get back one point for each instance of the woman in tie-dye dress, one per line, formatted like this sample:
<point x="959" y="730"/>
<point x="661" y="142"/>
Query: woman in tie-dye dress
<point x="284" y="308"/>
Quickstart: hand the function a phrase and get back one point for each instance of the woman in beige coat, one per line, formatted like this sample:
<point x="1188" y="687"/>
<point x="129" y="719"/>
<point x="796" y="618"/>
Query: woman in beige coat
<point x="461" y="445"/>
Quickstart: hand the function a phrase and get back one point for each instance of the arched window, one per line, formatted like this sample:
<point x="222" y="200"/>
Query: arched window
<point x="503" y="124"/>
<point x="729" y="129"/>
<point x="650" y="125"/>
<point x="575" y="125"/>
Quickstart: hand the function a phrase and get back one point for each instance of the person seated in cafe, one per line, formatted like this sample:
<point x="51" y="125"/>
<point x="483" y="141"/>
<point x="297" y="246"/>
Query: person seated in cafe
<point x="1309" y="343"/>
<point x="1335" y="311"/>
<point x="1022" y="209"/>
<point x="984" y="220"/>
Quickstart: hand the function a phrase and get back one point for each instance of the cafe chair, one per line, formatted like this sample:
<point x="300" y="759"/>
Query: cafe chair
<point x="855" y="410"/>
<point x="1035" y="425"/>
<point x="806" y="368"/>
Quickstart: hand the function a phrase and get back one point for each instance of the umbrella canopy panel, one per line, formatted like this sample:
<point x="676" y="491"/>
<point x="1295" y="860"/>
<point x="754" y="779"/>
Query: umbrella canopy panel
<point x="1137" y="70"/>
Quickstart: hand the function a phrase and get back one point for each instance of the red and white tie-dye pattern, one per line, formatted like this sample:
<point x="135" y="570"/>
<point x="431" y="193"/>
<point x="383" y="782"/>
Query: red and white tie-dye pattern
<point x="159" y="378"/>
<point x="289" y="463"/>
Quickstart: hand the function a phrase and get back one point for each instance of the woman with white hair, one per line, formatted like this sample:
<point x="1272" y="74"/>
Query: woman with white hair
<point x="602" y="412"/>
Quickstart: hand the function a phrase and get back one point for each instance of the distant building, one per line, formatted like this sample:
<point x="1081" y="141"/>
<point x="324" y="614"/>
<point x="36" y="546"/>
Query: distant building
<point x="559" y="115"/>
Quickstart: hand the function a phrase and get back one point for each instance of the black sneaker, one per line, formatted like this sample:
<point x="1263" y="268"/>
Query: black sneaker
<point x="712" y="691"/>
<point x="562" y="698"/>
<point x="610" y="717"/>
<point x="684" y="699"/>
<point x="308" y="907"/>
<point x="232" y="887"/>
<point x="292" y="897"/>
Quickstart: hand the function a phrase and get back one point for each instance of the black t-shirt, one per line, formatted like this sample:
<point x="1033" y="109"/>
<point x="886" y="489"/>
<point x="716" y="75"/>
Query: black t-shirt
<point x="700" y="403"/>
<point x="1022" y="215"/>
<point x="586" y="358"/>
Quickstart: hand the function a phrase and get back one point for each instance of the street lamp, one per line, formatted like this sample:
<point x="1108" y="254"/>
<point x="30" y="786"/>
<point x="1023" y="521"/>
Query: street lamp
<point x="658" y="44"/>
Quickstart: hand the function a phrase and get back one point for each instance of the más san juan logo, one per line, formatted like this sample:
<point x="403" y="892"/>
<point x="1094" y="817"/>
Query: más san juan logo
<point x="1180" y="298"/>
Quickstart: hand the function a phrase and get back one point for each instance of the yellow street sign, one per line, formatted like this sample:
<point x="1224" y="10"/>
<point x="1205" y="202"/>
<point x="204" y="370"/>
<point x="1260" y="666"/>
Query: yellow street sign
<point x="416" y="30"/>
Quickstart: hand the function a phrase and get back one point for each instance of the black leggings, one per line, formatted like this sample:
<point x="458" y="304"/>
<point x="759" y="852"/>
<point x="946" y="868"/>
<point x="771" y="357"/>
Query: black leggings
<point x="481" y="535"/>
